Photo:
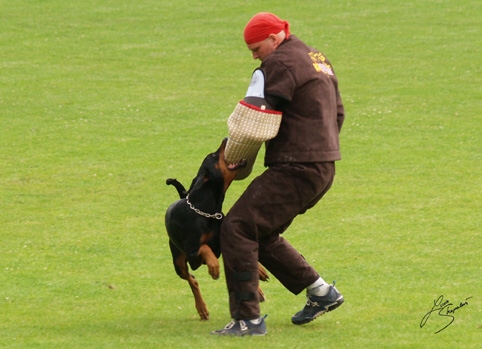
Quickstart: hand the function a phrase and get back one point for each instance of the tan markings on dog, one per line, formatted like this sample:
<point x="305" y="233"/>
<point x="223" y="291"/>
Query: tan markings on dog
<point x="206" y="237"/>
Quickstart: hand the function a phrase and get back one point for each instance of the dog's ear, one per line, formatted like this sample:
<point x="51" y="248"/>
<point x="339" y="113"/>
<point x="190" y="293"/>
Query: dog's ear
<point x="198" y="182"/>
<point x="202" y="177"/>
<point x="206" y="174"/>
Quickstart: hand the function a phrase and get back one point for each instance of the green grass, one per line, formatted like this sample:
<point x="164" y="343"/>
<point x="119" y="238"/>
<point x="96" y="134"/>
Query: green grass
<point x="101" y="101"/>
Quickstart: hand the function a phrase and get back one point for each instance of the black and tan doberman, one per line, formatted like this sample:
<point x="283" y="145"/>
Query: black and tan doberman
<point x="193" y="222"/>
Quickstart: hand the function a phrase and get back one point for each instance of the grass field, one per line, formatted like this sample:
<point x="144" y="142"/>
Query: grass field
<point x="101" y="101"/>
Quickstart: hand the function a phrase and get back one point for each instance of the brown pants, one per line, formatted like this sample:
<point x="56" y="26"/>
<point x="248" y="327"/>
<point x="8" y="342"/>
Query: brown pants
<point x="251" y="232"/>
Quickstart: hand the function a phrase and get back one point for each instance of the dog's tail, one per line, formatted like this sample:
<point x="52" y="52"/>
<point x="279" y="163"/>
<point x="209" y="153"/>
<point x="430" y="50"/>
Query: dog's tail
<point x="179" y="187"/>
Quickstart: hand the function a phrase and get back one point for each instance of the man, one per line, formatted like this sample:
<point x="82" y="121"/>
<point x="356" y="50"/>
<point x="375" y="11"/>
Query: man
<point x="297" y="84"/>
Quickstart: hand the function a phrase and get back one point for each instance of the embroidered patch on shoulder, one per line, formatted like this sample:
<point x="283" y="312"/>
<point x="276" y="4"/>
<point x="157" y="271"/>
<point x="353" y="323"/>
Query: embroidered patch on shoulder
<point x="320" y="64"/>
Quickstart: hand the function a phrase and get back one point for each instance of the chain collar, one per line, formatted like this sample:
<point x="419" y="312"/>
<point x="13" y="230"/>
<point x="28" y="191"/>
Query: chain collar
<point x="217" y="215"/>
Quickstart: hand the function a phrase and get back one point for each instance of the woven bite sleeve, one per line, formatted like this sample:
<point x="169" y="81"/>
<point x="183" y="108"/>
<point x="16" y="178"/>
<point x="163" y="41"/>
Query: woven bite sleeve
<point x="249" y="127"/>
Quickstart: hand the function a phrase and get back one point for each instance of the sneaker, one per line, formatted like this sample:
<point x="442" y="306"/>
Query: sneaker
<point x="243" y="328"/>
<point x="316" y="306"/>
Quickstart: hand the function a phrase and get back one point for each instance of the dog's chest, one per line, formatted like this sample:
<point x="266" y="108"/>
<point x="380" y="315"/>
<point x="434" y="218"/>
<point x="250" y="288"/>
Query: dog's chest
<point x="187" y="229"/>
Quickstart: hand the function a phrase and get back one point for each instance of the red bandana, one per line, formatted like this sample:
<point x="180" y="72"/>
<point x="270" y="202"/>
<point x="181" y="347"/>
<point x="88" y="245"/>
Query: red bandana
<point x="262" y="25"/>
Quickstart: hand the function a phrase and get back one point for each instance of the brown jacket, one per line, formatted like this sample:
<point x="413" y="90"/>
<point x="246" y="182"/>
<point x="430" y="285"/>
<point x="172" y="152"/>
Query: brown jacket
<point x="304" y="80"/>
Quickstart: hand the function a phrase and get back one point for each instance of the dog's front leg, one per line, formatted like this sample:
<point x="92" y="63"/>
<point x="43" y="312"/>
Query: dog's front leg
<point x="183" y="271"/>
<point x="211" y="260"/>
<point x="198" y="299"/>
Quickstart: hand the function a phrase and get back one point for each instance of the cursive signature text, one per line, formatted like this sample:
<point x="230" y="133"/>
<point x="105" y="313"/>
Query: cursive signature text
<point x="445" y="309"/>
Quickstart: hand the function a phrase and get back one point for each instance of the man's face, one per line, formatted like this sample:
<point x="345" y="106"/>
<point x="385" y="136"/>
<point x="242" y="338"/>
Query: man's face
<point x="263" y="48"/>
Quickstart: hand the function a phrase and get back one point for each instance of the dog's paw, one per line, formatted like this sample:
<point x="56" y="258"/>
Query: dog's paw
<point x="202" y="311"/>
<point x="211" y="261"/>
<point x="214" y="270"/>
<point x="262" y="297"/>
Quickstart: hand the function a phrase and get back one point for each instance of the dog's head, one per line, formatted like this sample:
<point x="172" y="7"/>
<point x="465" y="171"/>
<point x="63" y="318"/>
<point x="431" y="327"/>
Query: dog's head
<point x="214" y="169"/>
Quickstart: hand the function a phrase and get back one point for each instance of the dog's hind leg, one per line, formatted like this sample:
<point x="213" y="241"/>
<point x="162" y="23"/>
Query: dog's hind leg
<point x="263" y="276"/>
<point x="183" y="271"/>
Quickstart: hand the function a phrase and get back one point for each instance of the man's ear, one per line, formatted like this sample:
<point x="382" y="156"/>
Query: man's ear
<point x="274" y="38"/>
